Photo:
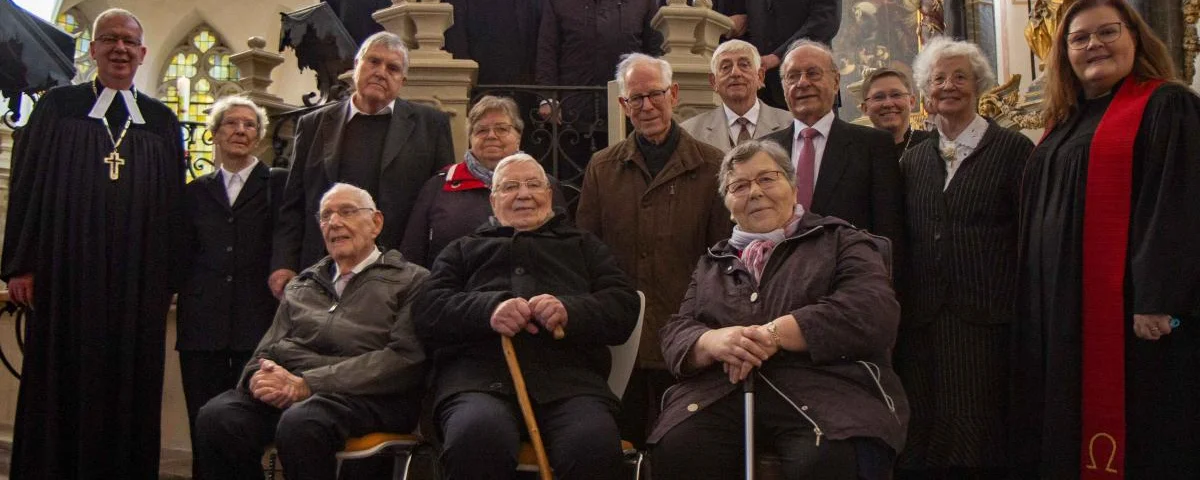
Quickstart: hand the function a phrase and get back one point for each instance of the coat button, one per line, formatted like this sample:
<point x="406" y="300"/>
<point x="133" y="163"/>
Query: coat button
<point x="729" y="269"/>
<point x="519" y="270"/>
<point x="693" y="407"/>
<point x="496" y="386"/>
<point x="230" y="220"/>
<point x="753" y="297"/>
<point x="229" y="248"/>
<point x="229" y="278"/>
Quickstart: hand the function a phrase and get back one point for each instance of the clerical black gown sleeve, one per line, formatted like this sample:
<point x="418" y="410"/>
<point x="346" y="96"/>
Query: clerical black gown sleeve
<point x="21" y="235"/>
<point x="1164" y="247"/>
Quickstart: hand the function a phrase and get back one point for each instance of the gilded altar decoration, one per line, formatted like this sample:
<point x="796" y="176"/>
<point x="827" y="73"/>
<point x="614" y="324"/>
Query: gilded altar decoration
<point x="1191" y="42"/>
<point x="1044" y="17"/>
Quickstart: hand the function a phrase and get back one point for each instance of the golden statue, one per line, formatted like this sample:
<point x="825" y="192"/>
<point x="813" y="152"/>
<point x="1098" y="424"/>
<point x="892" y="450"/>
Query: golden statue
<point x="1044" y="18"/>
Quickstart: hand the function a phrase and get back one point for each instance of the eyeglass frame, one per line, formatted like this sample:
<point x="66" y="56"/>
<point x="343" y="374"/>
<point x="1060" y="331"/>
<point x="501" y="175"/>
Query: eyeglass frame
<point x="638" y="101"/>
<point x="483" y="132"/>
<point x="1121" y="26"/>
<point x="503" y="188"/>
<point x="110" y="40"/>
<point x="959" y="79"/>
<point x="247" y="125"/>
<point x="894" y="96"/>
<point x="770" y="176"/>
<point x="814" y="75"/>
<point x="323" y="218"/>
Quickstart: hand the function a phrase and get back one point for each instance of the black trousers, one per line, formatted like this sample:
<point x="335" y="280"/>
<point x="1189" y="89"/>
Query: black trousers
<point x="642" y="403"/>
<point x="482" y="434"/>
<point x="709" y="445"/>
<point x="234" y="429"/>
<point x="206" y="375"/>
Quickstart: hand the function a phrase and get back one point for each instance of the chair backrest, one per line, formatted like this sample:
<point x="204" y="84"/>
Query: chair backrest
<point x="625" y="354"/>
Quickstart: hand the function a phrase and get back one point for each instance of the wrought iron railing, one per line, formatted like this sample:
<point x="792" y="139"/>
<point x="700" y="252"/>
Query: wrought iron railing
<point x="18" y="315"/>
<point x="197" y="149"/>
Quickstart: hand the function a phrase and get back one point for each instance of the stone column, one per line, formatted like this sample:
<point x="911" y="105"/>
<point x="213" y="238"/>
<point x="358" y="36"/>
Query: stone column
<point x="254" y="76"/>
<point x="691" y="34"/>
<point x="434" y="77"/>
<point x="6" y="141"/>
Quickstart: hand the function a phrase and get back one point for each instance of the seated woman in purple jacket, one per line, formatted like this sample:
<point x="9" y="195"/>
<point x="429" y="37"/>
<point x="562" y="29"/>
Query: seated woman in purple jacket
<point x="454" y="202"/>
<point x="803" y="303"/>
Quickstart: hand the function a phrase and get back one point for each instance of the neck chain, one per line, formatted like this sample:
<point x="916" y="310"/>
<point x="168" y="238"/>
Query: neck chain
<point x="907" y="139"/>
<point x="125" y="129"/>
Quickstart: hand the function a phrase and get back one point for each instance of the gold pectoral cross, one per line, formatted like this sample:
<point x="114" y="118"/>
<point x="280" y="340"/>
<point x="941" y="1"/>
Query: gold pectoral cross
<point x="114" y="162"/>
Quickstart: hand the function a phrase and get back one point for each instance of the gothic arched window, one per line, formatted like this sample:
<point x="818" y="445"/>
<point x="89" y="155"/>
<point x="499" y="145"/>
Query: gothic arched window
<point x="197" y="74"/>
<point x="74" y="23"/>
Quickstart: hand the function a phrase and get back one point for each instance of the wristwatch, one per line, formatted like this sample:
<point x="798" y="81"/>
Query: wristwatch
<point x="773" y="329"/>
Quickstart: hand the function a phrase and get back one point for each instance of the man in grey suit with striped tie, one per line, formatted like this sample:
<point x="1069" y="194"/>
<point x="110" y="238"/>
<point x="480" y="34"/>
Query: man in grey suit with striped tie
<point x="736" y="73"/>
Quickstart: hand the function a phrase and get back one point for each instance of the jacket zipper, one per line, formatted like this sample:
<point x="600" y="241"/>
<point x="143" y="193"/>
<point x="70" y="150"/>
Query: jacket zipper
<point x="802" y="409"/>
<point x="874" y="371"/>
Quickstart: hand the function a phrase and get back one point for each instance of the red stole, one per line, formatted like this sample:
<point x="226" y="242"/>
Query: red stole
<point x="1107" y="203"/>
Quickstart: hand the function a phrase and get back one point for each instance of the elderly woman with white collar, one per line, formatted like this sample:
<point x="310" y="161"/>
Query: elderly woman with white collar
<point x="801" y="302"/>
<point x="961" y="194"/>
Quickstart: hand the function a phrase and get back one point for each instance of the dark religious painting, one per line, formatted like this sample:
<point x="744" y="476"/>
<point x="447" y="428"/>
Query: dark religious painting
<point x="877" y="34"/>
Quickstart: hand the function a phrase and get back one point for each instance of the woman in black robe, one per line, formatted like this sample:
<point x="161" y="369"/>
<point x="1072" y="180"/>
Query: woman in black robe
<point x="1108" y="381"/>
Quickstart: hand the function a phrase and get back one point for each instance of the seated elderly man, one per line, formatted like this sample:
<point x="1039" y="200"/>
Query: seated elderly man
<point x="341" y="358"/>
<point x="801" y="302"/>
<point x="524" y="275"/>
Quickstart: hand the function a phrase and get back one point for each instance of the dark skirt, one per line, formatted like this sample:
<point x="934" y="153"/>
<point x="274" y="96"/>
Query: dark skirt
<point x="956" y="376"/>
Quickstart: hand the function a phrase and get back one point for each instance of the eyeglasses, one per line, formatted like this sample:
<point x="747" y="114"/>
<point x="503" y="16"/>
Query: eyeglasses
<point x="958" y="79"/>
<point x="236" y="124"/>
<point x="883" y="97"/>
<point x="326" y="216"/>
<point x="766" y="181"/>
<point x="1107" y="33"/>
<point x="500" y="129"/>
<point x="111" y="40"/>
<point x="794" y="76"/>
<point x="636" y="101"/>
<point x="509" y="187"/>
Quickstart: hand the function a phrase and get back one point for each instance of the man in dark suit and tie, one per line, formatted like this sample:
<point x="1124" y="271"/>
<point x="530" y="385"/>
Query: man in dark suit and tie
<point x="385" y="145"/>
<point x="224" y="305"/>
<point x="842" y="170"/>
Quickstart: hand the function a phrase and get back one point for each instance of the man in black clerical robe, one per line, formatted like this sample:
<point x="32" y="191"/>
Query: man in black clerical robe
<point x="88" y="246"/>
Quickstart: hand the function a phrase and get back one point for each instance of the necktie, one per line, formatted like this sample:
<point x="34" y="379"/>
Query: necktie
<point x="745" y="133"/>
<point x="340" y="285"/>
<point x="806" y="167"/>
<point x="234" y="188"/>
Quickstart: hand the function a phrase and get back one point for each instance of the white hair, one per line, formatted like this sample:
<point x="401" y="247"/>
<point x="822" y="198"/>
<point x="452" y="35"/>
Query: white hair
<point x="629" y="60"/>
<point x="219" y="109"/>
<point x="514" y="159"/>
<point x="941" y="48"/>
<point x="116" y="12"/>
<point x="388" y="40"/>
<point x="363" y="196"/>
<point x="735" y="46"/>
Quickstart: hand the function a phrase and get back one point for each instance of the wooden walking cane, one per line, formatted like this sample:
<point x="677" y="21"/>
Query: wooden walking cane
<point x="535" y="435"/>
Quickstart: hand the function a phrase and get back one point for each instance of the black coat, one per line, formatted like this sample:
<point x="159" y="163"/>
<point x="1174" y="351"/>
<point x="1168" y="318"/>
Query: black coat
<point x="225" y="302"/>
<point x="963" y="240"/>
<point x="773" y="25"/>
<point x="473" y="275"/>
<point x="859" y="180"/>
<point x="500" y="35"/>
<point x="417" y="146"/>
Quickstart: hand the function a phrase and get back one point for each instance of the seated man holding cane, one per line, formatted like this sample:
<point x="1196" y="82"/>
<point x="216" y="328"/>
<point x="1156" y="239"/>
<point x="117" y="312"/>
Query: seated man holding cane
<point x="526" y="274"/>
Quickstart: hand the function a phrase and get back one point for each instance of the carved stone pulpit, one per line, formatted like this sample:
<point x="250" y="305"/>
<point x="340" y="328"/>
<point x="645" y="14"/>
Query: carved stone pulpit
<point x="254" y="74"/>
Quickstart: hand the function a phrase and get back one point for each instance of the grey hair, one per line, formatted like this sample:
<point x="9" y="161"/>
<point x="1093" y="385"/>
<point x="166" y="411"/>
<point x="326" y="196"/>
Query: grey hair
<point x="514" y="159"/>
<point x="493" y="103"/>
<point x="217" y="115"/>
<point x="804" y="42"/>
<point x="116" y="12"/>
<point x="363" y="196"/>
<point x="942" y="47"/>
<point x="630" y="60"/>
<point x="747" y="150"/>
<point x="388" y="40"/>
<point x="735" y="46"/>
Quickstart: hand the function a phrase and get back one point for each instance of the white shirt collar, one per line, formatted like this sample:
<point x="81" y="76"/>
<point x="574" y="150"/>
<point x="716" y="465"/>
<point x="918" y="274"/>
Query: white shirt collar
<point x="244" y="173"/>
<point x="105" y="98"/>
<point x="973" y="134"/>
<point x="372" y="258"/>
<point x="823" y="125"/>
<point x="355" y="111"/>
<point x="751" y="115"/>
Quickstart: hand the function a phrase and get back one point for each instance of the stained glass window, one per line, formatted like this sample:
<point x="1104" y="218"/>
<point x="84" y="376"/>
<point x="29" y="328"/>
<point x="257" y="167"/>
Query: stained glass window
<point x="74" y="23"/>
<point x="199" y="67"/>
